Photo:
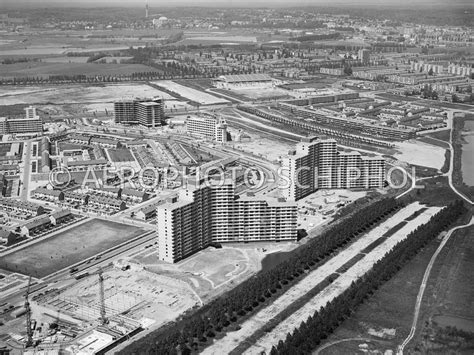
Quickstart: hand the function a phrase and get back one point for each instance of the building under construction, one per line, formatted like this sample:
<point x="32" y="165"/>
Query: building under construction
<point x="147" y="113"/>
<point x="55" y="323"/>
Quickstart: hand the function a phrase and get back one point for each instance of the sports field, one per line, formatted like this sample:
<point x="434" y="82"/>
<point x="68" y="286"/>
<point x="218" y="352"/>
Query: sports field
<point x="68" y="247"/>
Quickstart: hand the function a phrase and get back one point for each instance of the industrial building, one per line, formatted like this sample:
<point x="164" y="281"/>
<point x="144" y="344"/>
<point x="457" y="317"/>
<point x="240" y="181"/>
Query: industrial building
<point x="244" y="81"/>
<point x="206" y="213"/>
<point x="316" y="164"/>
<point x="147" y="113"/>
<point x="208" y="127"/>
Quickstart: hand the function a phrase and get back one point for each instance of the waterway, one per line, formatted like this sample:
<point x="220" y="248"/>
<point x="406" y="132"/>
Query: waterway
<point x="467" y="157"/>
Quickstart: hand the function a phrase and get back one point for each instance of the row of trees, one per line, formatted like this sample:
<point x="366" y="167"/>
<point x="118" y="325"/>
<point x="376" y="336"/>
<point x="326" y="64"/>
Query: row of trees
<point x="194" y="330"/>
<point x="324" y="321"/>
<point x="82" y="78"/>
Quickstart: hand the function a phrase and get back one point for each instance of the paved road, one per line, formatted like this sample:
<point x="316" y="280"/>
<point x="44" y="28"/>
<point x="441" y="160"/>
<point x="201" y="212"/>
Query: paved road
<point x="325" y="346"/>
<point x="424" y="282"/>
<point x="449" y="174"/>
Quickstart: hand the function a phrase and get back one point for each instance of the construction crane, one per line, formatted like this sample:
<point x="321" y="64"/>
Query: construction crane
<point x="29" y="331"/>
<point x="103" y="317"/>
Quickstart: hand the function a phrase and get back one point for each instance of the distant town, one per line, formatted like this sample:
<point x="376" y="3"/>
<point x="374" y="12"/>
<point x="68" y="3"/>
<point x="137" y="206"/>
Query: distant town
<point x="236" y="180"/>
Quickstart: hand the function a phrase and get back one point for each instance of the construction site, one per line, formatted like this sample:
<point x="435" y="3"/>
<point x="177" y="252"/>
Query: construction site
<point x="95" y="312"/>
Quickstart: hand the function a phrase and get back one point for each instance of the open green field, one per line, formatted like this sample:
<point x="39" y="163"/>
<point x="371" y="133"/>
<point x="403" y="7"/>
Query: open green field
<point x="68" y="247"/>
<point x="34" y="69"/>
<point x="449" y="301"/>
<point x="120" y="155"/>
<point x="47" y="43"/>
<point x="384" y="320"/>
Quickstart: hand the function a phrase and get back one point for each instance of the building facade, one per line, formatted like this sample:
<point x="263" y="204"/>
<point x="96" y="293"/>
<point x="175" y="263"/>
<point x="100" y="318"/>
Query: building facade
<point x="316" y="164"/>
<point x="208" y="127"/>
<point x="150" y="114"/>
<point x="206" y="213"/>
<point x="244" y="81"/>
<point x="30" y="124"/>
<point x="147" y="113"/>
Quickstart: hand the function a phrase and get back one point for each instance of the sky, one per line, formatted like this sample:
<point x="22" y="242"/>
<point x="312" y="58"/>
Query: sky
<point x="230" y="3"/>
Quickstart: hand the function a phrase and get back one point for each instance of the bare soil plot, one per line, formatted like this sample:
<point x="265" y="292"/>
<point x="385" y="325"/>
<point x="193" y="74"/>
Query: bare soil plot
<point x="419" y="153"/>
<point x="143" y="294"/>
<point x="191" y="94"/>
<point x="77" y="94"/>
<point x="217" y="266"/>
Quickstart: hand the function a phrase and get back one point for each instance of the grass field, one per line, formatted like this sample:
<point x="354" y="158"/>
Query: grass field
<point x="384" y="320"/>
<point x="34" y="69"/>
<point x="442" y="135"/>
<point x="120" y="155"/>
<point x="68" y="247"/>
<point x="448" y="300"/>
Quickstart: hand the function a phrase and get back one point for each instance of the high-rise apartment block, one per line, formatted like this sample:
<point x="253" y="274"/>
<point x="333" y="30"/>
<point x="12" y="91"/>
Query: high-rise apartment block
<point x="124" y="112"/>
<point x="316" y="164"/>
<point x="207" y="126"/>
<point x="208" y="212"/>
<point x="147" y="113"/>
<point x="30" y="124"/>
<point x="364" y="56"/>
<point x="150" y="114"/>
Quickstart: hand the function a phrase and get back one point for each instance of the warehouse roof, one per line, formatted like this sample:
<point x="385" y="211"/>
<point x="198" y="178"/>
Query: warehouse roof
<point x="245" y="78"/>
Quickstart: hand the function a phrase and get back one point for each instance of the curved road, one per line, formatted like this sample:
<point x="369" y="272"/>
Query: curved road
<point x="328" y="345"/>
<point x="449" y="174"/>
<point x="424" y="282"/>
<point x="451" y="168"/>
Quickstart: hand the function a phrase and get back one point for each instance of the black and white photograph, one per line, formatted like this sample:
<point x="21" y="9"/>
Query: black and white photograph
<point x="227" y="177"/>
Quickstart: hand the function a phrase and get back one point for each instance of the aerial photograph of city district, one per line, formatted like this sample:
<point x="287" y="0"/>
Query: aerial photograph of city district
<point x="236" y="177"/>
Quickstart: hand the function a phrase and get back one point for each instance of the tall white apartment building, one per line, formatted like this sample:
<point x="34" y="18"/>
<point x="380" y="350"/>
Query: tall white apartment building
<point x="208" y="127"/>
<point x="355" y="171"/>
<point x="30" y="124"/>
<point x="316" y="164"/>
<point x="205" y="213"/>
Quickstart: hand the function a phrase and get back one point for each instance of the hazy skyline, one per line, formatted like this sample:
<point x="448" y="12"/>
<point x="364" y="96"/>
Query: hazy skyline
<point x="232" y="3"/>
